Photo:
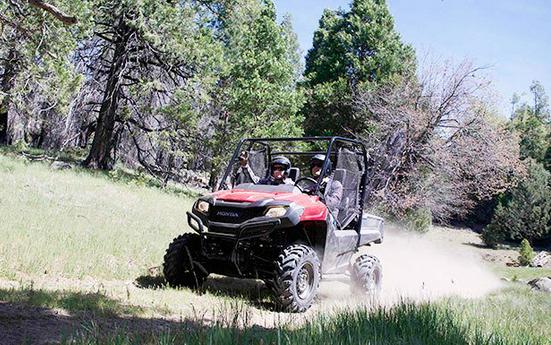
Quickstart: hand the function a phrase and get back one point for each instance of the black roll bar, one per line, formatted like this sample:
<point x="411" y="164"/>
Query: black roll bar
<point x="331" y="140"/>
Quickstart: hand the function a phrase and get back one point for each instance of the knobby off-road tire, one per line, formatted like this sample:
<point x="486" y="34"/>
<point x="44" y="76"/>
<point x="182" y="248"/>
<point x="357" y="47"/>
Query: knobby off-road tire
<point x="269" y="284"/>
<point x="366" y="276"/>
<point x="178" y="267"/>
<point x="297" y="279"/>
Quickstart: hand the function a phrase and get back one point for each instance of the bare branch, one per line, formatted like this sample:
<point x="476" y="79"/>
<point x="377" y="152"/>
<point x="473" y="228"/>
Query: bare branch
<point x="57" y="13"/>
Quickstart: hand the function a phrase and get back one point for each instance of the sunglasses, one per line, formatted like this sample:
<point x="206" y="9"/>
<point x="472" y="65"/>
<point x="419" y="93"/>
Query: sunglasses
<point x="278" y="168"/>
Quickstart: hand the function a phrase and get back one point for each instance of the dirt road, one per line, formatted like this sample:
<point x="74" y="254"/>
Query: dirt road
<point x="444" y="262"/>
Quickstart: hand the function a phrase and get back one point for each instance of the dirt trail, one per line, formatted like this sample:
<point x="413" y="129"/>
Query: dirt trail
<point x="441" y="263"/>
<point x="433" y="265"/>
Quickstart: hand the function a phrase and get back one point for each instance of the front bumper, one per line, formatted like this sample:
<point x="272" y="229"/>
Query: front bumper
<point x="254" y="228"/>
<point x="244" y="231"/>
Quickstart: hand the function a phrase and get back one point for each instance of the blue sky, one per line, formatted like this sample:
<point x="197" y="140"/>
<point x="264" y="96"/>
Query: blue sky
<point x="513" y="37"/>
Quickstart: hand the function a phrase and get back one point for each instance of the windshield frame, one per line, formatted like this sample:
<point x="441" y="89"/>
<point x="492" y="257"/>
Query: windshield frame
<point x="248" y="142"/>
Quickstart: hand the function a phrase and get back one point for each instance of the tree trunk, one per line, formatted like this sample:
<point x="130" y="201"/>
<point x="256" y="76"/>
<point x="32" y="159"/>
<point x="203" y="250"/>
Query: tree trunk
<point x="6" y="85"/>
<point x="213" y="179"/>
<point x="100" y="156"/>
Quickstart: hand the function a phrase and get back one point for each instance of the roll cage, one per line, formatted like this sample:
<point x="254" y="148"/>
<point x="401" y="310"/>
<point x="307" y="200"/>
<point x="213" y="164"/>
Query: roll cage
<point x="308" y="146"/>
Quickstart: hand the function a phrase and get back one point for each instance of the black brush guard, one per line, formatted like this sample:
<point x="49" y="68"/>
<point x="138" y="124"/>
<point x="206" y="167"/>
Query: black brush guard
<point x="245" y="231"/>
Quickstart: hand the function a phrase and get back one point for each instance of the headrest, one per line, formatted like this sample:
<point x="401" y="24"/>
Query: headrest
<point x="294" y="173"/>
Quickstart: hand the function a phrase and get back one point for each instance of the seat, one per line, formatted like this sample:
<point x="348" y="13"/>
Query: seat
<point x="340" y="175"/>
<point x="348" y="208"/>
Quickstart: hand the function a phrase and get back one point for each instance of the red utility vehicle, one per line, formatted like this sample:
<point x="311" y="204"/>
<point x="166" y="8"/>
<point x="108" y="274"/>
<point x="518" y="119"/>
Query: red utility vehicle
<point x="285" y="234"/>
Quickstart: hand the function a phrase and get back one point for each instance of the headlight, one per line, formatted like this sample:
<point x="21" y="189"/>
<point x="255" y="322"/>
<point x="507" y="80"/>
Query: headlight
<point x="275" y="212"/>
<point x="203" y="206"/>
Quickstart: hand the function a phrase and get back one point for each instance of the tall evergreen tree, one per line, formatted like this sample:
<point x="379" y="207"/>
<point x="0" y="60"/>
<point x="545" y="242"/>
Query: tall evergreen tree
<point x="145" y="55"/>
<point x="36" y="40"/>
<point x="352" y="50"/>
<point x="532" y="124"/>
<point x="541" y="101"/>
<point x="256" y="91"/>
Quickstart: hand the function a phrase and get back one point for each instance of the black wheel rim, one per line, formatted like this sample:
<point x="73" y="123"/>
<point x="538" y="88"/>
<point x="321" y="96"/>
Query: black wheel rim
<point x="305" y="281"/>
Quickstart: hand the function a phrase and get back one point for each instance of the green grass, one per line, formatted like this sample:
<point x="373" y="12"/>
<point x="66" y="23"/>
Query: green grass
<point x="78" y="223"/>
<point x="515" y="315"/>
<point x="404" y="324"/>
<point x="521" y="273"/>
<point x="65" y="229"/>
<point x="515" y="312"/>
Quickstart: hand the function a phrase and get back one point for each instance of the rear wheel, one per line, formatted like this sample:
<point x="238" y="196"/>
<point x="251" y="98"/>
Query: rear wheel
<point x="178" y="267"/>
<point x="297" y="280"/>
<point x="366" y="276"/>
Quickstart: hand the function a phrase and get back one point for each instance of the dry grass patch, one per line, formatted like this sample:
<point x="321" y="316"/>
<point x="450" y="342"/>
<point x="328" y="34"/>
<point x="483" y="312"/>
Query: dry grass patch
<point x="77" y="224"/>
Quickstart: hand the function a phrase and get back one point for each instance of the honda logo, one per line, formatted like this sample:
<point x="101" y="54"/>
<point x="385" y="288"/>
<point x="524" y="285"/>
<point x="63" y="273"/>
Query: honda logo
<point x="227" y="214"/>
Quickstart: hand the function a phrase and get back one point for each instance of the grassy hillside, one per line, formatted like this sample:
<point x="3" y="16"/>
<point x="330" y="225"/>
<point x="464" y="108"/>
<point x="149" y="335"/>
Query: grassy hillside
<point x="74" y="223"/>
<point x="80" y="243"/>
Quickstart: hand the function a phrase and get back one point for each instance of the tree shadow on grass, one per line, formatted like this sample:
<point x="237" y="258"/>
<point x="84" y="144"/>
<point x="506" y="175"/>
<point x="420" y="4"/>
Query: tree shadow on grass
<point x="407" y="323"/>
<point x="69" y="301"/>
<point x="476" y="245"/>
<point x="252" y="291"/>
<point x="41" y="316"/>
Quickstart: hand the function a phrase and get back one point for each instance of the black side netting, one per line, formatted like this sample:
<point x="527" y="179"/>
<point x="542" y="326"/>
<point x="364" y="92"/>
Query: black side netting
<point x="257" y="162"/>
<point x="348" y="172"/>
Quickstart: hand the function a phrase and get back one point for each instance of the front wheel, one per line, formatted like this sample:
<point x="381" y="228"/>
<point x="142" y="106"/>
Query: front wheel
<point x="179" y="268"/>
<point x="297" y="279"/>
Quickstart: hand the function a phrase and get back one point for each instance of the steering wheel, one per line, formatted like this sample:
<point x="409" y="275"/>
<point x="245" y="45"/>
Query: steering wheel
<point x="305" y="184"/>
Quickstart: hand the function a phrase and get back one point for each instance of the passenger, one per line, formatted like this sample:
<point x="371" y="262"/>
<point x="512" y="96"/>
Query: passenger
<point x="331" y="189"/>
<point x="279" y="172"/>
<point x="244" y="173"/>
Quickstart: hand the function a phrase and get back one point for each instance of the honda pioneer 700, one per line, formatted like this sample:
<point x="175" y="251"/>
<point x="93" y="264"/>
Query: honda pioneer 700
<point x="289" y="232"/>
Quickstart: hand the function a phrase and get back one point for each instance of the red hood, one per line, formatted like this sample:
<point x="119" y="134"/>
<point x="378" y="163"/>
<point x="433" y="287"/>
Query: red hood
<point x="240" y="195"/>
<point x="314" y="209"/>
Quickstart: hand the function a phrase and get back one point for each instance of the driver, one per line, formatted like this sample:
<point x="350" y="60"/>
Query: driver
<point x="279" y="168"/>
<point x="332" y="189"/>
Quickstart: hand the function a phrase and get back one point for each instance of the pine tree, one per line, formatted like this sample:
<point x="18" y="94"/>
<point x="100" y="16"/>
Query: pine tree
<point x="147" y="56"/>
<point x="526" y="213"/>
<point x="256" y="91"/>
<point x="526" y="253"/>
<point x="532" y="124"/>
<point x="353" y="50"/>
<point x="36" y="40"/>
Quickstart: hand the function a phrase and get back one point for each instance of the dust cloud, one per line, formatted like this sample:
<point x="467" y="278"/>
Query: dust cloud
<point x="420" y="268"/>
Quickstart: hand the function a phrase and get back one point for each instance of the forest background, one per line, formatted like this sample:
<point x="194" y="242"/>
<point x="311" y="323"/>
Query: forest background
<point x="163" y="87"/>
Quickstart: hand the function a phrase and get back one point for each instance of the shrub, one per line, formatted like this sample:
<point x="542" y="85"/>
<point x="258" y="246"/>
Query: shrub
<point x="493" y="234"/>
<point x="526" y="253"/>
<point x="526" y="213"/>
<point x="547" y="159"/>
<point x="21" y="145"/>
<point x="418" y="219"/>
